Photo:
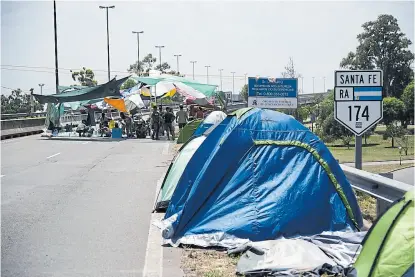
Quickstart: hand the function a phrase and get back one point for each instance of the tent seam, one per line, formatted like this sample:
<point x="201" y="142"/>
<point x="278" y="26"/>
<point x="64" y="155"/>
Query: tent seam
<point x="323" y="164"/>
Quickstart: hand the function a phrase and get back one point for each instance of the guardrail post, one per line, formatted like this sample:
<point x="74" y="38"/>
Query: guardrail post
<point x="382" y="205"/>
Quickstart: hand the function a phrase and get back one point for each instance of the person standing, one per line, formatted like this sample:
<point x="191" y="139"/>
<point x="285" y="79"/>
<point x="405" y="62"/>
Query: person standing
<point x="162" y="120"/>
<point x="156" y="120"/>
<point x="199" y="113"/>
<point x="168" y="123"/>
<point x="181" y="117"/>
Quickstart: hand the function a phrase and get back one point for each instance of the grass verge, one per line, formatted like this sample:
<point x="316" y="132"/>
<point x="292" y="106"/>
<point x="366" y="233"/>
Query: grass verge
<point x="208" y="263"/>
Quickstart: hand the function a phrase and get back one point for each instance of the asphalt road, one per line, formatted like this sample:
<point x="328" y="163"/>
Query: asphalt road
<point x="405" y="175"/>
<point x="74" y="208"/>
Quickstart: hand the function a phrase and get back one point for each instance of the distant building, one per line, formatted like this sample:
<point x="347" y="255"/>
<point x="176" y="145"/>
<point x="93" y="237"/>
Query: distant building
<point x="234" y="97"/>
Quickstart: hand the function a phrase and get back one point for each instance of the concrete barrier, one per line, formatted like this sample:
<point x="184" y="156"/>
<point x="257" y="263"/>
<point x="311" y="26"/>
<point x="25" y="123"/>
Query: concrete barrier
<point x="21" y="127"/>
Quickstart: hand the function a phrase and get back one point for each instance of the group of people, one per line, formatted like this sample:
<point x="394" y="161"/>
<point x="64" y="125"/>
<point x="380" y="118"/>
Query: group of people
<point x="164" y="121"/>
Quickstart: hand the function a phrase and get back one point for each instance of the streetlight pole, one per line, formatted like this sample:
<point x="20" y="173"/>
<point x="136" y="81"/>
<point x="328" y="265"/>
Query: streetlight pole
<point x="233" y="85"/>
<point x="302" y="85"/>
<point x="324" y="84"/>
<point x="56" y="48"/>
<point x="313" y="85"/>
<point x="159" y="47"/>
<point x="138" y="51"/>
<point x="193" y="62"/>
<point x="207" y="73"/>
<point x="108" y="40"/>
<point x="220" y="74"/>
<point x="177" y="57"/>
<point x="41" y="88"/>
<point x="246" y="74"/>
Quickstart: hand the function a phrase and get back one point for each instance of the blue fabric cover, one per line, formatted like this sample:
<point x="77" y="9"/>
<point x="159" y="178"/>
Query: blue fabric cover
<point x="201" y="129"/>
<point x="255" y="192"/>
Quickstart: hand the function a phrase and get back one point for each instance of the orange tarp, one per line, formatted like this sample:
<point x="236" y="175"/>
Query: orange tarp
<point x="116" y="103"/>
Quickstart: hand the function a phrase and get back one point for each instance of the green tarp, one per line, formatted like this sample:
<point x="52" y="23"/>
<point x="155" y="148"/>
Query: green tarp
<point x="111" y="88"/>
<point x="175" y="172"/>
<point x="206" y="89"/>
<point x="187" y="132"/>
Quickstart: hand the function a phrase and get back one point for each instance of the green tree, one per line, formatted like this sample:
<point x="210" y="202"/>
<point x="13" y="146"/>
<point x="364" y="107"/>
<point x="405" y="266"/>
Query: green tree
<point x="328" y="128"/>
<point x="144" y="66"/>
<point x="394" y="132"/>
<point x="18" y="102"/>
<point x="128" y="84"/>
<point x="404" y="142"/>
<point x="408" y="100"/>
<point x="163" y="67"/>
<point x="290" y="72"/>
<point x="303" y="112"/>
<point x="244" y="93"/>
<point x="393" y="110"/>
<point x="85" y="77"/>
<point x="382" y="45"/>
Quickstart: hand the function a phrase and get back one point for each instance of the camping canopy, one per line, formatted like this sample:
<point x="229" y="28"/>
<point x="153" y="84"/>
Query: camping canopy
<point x="388" y="248"/>
<point x="263" y="176"/>
<point x="187" y="131"/>
<point x="112" y="88"/>
<point x="206" y="89"/>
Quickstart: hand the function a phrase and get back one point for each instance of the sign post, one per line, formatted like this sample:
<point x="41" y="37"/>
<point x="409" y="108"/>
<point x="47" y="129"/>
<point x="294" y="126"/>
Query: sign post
<point x="272" y="93"/>
<point x="358" y="103"/>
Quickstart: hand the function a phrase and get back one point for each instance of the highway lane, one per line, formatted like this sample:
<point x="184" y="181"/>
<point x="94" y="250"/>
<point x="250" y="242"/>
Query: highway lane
<point x="83" y="212"/>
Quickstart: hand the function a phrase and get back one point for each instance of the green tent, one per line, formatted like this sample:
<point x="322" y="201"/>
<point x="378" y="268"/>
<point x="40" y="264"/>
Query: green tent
<point x="175" y="172"/>
<point x="187" y="132"/>
<point x="388" y="248"/>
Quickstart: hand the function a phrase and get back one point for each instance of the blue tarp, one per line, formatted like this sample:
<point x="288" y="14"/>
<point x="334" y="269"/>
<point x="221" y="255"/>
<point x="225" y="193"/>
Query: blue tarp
<point x="233" y="187"/>
<point x="213" y="118"/>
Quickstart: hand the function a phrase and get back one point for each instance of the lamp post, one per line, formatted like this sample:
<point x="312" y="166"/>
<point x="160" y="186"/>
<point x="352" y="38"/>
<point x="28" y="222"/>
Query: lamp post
<point x="233" y="85"/>
<point x="108" y="40"/>
<point x="193" y="62"/>
<point x="177" y="58"/>
<point x="159" y="47"/>
<point x="56" y="48"/>
<point x="220" y="74"/>
<point x="313" y="85"/>
<point x="324" y="84"/>
<point x="207" y="73"/>
<point x="41" y="88"/>
<point x="138" y="50"/>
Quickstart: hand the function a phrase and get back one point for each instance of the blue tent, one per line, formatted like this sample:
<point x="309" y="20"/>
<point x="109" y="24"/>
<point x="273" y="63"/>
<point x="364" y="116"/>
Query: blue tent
<point x="263" y="176"/>
<point x="213" y="118"/>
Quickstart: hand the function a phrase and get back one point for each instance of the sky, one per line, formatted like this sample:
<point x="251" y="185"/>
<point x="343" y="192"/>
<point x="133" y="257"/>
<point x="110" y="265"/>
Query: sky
<point x="256" y="38"/>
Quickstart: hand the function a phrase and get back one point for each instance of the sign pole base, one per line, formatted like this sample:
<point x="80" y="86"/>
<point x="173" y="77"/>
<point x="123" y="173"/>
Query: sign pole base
<point x="358" y="152"/>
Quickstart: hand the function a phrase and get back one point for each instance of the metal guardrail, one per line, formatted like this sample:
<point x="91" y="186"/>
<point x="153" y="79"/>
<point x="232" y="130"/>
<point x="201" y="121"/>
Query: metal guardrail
<point x="385" y="190"/>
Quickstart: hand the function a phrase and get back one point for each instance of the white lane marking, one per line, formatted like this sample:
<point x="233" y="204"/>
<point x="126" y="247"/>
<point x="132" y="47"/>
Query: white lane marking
<point x="86" y="142"/>
<point x="54" y="155"/>
<point x="166" y="149"/>
<point x="153" y="263"/>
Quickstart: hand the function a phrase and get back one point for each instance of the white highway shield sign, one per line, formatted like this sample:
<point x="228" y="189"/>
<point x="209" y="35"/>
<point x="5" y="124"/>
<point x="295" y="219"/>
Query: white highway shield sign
<point x="358" y="99"/>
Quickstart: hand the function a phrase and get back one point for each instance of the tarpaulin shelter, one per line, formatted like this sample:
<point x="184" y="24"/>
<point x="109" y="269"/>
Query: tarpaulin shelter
<point x="178" y="166"/>
<point x="187" y="131"/>
<point x="197" y="92"/>
<point x="117" y="103"/>
<point x="213" y="118"/>
<point x="112" y="88"/>
<point x="388" y="248"/>
<point x="263" y="176"/>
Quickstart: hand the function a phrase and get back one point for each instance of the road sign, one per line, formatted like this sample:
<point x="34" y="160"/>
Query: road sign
<point x="275" y="93"/>
<point x="358" y="99"/>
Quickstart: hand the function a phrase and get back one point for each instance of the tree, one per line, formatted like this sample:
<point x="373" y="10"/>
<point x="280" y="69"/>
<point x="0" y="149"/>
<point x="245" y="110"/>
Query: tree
<point x="303" y="112"/>
<point x="382" y="45"/>
<point x="143" y="66"/>
<point x="18" y="102"/>
<point x="163" y="67"/>
<point x="393" y="110"/>
<point x="404" y="142"/>
<point x="85" y="77"/>
<point x="393" y="132"/>
<point x="128" y="84"/>
<point x="244" y="93"/>
<point x="290" y="71"/>
<point x="408" y="101"/>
